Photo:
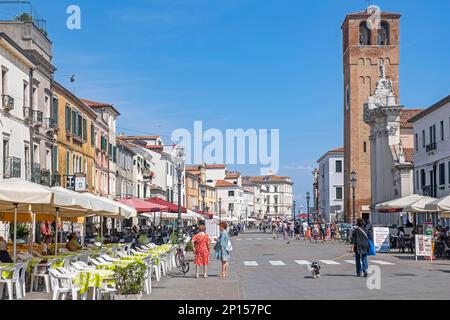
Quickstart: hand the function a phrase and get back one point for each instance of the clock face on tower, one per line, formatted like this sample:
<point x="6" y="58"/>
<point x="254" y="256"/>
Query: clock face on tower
<point x="347" y="97"/>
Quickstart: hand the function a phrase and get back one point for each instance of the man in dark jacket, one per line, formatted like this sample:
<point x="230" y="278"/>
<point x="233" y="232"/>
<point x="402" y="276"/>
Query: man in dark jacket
<point x="360" y="240"/>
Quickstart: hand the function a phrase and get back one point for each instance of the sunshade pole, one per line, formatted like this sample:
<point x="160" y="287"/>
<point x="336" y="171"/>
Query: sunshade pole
<point x="83" y="233"/>
<point x="56" y="233"/>
<point x="33" y="232"/>
<point x="101" y="232"/>
<point x="15" y="231"/>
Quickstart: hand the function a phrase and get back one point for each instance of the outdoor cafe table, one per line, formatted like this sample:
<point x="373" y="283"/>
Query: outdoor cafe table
<point x="5" y="270"/>
<point x="86" y="279"/>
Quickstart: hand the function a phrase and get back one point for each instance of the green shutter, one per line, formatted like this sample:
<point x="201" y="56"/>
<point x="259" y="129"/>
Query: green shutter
<point x="68" y="118"/>
<point x="55" y="160"/>
<point x="55" y="111"/>
<point x="74" y="122"/>
<point x="92" y="135"/>
<point x="84" y="129"/>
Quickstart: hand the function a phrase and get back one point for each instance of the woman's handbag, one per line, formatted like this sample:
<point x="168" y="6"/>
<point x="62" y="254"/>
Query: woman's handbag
<point x="229" y="246"/>
<point x="372" y="251"/>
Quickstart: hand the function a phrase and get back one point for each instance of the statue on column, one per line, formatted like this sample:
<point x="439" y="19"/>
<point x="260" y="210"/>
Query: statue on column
<point x="382" y="70"/>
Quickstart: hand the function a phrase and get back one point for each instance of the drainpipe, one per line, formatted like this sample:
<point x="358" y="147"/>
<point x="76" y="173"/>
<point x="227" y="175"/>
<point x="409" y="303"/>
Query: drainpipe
<point x="31" y="125"/>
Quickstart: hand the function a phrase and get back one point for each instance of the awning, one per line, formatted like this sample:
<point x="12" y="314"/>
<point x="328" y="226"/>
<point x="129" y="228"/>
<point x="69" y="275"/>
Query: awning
<point x="167" y="216"/>
<point x="205" y="214"/>
<point x="400" y="203"/>
<point x="420" y="206"/>
<point x="142" y="206"/>
<point x="172" y="207"/>
<point x="442" y="204"/>
<point x="196" y="215"/>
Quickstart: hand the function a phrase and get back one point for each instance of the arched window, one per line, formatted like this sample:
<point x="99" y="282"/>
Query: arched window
<point x="383" y="34"/>
<point x="364" y="34"/>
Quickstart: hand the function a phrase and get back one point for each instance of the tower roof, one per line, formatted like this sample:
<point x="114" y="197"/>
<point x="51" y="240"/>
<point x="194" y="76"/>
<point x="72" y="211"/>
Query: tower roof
<point x="364" y="15"/>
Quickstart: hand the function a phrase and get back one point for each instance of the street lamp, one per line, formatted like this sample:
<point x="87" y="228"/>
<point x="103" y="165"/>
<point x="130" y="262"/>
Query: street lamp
<point x="220" y="209"/>
<point x="246" y="217"/>
<point x="308" y="197"/>
<point x="293" y="211"/>
<point x="203" y="194"/>
<point x="353" y="181"/>
<point x="179" y="161"/>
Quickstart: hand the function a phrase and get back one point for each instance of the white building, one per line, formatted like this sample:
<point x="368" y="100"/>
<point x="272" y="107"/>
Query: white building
<point x="15" y="133"/>
<point x="260" y="194"/>
<point x="432" y="152"/>
<point x="331" y="185"/>
<point x="279" y="200"/>
<point x="391" y="149"/>
<point x="232" y="197"/>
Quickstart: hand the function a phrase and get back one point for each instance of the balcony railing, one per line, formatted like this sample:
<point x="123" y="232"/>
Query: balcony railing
<point x="38" y="118"/>
<point x="431" y="147"/>
<point x="12" y="167"/>
<point x="7" y="102"/>
<point x="56" y="180"/>
<point x="50" y="124"/>
<point x="33" y="172"/>
<point x="45" y="178"/>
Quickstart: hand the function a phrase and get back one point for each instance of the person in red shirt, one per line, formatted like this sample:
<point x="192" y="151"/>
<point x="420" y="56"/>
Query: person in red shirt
<point x="201" y="243"/>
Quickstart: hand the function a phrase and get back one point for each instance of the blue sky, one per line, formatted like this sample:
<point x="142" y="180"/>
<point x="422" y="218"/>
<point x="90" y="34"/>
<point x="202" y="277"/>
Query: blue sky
<point x="238" y="64"/>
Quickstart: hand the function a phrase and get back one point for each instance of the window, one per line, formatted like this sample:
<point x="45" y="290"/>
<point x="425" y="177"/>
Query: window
<point x="383" y="34"/>
<point x="422" y="178"/>
<point x="423" y="139"/>
<point x="5" y="155"/>
<point x="442" y="131"/>
<point x="365" y="146"/>
<point x="67" y="162"/>
<point x="417" y="180"/>
<point x="231" y="193"/>
<point x="364" y="34"/>
<point x="74" y="122"/>
<point x="25" y="94"/>
<point x="339" y="193"/>
<point x="55" y="159"/>
<point x="55" y="111"/>
<point x="416" y="142"/>
<point x="35" y="98"/>
<point x="441" y="174"/>
<point x="68" y="118"/>
<point x="4" y="81"/>
<point x="338" y="166"/>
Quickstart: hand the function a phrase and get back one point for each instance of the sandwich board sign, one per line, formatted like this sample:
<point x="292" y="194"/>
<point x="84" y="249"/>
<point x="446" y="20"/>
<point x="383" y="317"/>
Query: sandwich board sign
<point x="381" y="240"/>
<point x="424" y="246"/>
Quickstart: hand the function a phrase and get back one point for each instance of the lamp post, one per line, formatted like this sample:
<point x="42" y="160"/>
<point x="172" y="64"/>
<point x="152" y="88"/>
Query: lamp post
<point x="220" y="209"/>
<point x="353" y="181"/>
<point x="203" y="194"/>
<point x="246" y="217"/>
<point x="308" y="198"/>
<point x="179" y="161"/>
<point x="293" y="211"/>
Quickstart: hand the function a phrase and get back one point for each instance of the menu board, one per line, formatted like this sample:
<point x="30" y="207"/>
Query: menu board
<point x="381" y="240"/>
<point x="423" y="246"/>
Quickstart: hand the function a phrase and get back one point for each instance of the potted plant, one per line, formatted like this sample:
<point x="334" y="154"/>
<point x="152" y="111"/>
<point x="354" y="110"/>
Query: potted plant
<point x="130" y="281"/>
<point x="22" y="232"/>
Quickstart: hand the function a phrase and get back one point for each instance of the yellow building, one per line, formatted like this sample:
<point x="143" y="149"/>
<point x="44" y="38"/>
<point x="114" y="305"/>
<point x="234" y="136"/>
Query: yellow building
<point x="76" y="141"/>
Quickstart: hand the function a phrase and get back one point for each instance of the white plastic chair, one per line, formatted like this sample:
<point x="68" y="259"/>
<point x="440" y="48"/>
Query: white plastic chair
<point x="13" y="281"/>
<point x="148" y="276"/>
<point x="40" y="271"/>
<point x="156" y="269"/>
<point x="63" y="285"/>
<point x="22" y="278"/>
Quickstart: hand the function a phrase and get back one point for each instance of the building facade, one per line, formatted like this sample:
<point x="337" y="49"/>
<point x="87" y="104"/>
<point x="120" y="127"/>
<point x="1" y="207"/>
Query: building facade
<point x="16" y="68"/>
<point x="432" y="152"/>
<point x="279" y="200"/>
<point x="75" y="139"/>
<point x="364" y="50"/>
<point x="331" y="185"/>
<point x="125" y="175"/>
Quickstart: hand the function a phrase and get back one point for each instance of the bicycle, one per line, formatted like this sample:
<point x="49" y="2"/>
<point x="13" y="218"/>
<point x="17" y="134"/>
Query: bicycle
<point x="181" y="260"/>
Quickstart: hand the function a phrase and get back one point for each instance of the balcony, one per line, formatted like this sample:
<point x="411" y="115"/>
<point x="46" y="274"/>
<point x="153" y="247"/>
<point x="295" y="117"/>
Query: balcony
<point x="7" y="103"/>
<point x="56" y="180"/>
<point x="12" y="167"/>
<point x="38" y="118"/>
<point x="27" y="113"/>
<point x="50" y="124"/>
<point x="33" y="172"/>
<point x="45" y="178"/>
<point x="431" y="147"/>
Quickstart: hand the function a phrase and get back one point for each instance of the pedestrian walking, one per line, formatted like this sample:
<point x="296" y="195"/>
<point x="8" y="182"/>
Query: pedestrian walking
<point x="361" y="248"/>
<point x="274" y="230"/>
<point x="308" y="234"/>
<point x="223" y="249"/>
<point x="201" y="243"/>
<point x="323" y="231"/>
<point x="297" y="231"/>
<point x="305" y="229"/>
<point x="316" y="231"/>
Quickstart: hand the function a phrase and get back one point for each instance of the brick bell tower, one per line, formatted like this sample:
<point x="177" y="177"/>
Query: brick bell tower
<point x="366" y="46"/>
